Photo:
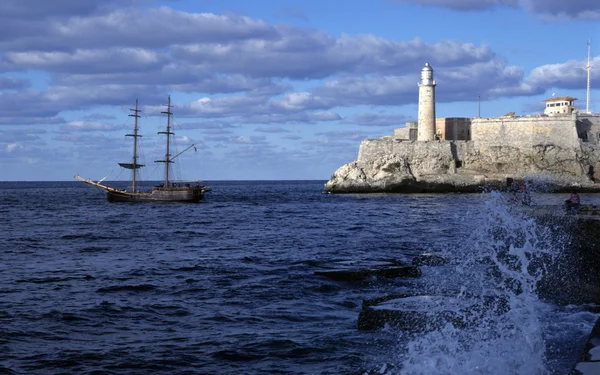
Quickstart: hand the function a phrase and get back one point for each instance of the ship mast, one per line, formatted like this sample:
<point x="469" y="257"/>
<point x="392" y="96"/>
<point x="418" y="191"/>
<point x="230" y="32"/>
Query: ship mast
<point x="168" y="133"/>
<point x="134" y="166"/>
<point x="135" y="136"/>
<point x="589" y="75"/>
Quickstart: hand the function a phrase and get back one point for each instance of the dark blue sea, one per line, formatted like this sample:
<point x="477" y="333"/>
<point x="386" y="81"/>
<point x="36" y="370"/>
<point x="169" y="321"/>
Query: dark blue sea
<point x="227" y="286"/>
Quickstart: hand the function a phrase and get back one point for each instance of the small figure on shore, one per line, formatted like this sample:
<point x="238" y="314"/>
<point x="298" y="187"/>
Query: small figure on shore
<point x="573" y="203"/>
<point x="525" y="197"/>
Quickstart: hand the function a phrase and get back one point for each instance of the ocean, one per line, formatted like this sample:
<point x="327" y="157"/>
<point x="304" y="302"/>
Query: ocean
<point x="228" y="285"/>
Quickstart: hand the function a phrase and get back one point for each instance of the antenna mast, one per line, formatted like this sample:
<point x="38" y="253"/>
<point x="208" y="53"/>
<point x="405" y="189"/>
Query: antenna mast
<point x="589" y="75"/>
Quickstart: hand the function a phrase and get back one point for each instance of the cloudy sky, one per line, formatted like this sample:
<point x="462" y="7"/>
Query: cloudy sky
<point x="267" y="89"/>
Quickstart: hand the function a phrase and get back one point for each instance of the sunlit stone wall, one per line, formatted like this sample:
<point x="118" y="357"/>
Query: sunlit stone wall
<point x="525" y="132"/>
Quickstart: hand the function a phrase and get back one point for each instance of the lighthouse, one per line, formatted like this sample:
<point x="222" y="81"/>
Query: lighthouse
<point x="426" y="119"/>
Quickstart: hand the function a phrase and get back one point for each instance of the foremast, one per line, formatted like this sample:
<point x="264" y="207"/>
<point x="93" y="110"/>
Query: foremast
<point x="134" y="166"/>
<point x="168" y="160"/>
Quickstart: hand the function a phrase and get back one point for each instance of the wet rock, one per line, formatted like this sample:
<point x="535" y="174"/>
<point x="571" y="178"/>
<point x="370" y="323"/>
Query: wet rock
<point x="413" y="313"/>
<point x="588" y="210"/>
<point x="425" y="313"/>
<point x="363" y="274"/>
<point x="356" y="264"/>
<point x="429" y="259"/>
<point x="589" y="363"/>
<point x="575" y="277"/>
<point x="379" y="300"/>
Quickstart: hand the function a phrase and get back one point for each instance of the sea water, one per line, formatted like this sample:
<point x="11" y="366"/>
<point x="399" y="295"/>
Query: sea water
<point x="227" y="286"/>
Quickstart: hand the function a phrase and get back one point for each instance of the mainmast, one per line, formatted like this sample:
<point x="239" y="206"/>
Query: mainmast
<point x="135" y="137"/>
<point x="168" y="133"/>
<point x="589" y="76"/>
<point x="134" y="166"/>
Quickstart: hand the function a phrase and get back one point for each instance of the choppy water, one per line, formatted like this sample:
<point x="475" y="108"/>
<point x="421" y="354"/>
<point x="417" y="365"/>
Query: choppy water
<point x="226" y="286"/>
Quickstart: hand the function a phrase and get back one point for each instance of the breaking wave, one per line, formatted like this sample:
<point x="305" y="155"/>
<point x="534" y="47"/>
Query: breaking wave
<point x="503" y="259"/>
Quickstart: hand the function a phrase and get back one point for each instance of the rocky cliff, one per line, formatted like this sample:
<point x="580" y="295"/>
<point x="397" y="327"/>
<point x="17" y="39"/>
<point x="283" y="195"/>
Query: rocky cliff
<point x="391" y="165"/>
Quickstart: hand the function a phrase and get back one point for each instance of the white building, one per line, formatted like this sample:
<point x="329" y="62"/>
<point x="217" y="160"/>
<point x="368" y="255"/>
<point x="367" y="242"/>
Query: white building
<point x="560" y="106"/>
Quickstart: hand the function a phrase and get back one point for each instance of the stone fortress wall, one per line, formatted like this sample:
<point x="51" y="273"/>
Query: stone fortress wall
<point x="524" y="131"/>
<point x="588" y="127"/>
<point x="516" y="131"/>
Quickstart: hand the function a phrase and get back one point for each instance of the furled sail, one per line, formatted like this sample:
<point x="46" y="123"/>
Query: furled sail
<point x="131" y="165"/>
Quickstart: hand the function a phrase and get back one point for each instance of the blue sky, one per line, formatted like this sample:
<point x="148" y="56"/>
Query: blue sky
<point x="278" y="89"/>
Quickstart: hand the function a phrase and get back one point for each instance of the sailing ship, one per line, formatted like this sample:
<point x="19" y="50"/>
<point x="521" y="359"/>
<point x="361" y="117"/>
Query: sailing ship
<point x="169" y="191"/>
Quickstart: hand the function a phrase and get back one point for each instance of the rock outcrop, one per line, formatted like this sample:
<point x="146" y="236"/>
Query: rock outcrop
<point x="364" y="274"/>
<point x="392" y="165"/>
<point x="421" y="313"/>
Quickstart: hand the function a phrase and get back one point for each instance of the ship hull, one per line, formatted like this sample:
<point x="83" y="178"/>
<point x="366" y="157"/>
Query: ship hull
<point x="191" y="195"/>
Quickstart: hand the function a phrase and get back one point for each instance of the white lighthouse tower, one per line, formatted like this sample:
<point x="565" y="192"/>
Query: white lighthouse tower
<point x="426" y="119"/>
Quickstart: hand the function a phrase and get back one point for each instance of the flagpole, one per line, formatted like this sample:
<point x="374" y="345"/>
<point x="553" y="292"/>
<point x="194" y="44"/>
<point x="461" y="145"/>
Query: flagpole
<point x="589" y="75"/>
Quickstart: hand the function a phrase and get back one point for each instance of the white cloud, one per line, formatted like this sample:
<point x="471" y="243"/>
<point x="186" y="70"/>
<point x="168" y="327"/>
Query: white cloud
<point x="550" y="9"/>
<point x="243" y="139"/>
<point x="376" y="119"/>
<point x="87" y="126"/>
<point x="25" y="118"/>
<point x="302" y="54"/>
<point x="42" y="9"/>
<point x="130" y="27"/>
<point x="10" y="83"/>
<point x="381" y="90"/>
<point x="89" y="61"/>
<point x="303" y="116"/>
<point x="569" y="74"/>
<point x="560" y="9"/>
<point x="271" y="129"/>
<point x="31" y="106"/>
<point x="12" y="147"/>
<point x="200" y="103"/>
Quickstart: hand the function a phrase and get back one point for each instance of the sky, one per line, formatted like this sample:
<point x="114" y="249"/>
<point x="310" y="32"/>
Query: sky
<point x="267" y="89"/>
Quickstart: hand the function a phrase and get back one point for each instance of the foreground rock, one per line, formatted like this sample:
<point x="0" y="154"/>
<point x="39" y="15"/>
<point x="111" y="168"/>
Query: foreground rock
<point x="364" y="274"/>
<point x="589" y="363"/>
<point x="424" y="313"/>
<point x="575" y="277"/>
<point x="429" y="259"/>
<point x="391" y="165"/>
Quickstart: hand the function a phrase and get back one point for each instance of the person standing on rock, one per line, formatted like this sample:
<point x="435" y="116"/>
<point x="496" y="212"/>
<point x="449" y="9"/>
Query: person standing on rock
<point x="524" y="194"/>
<point x="574" y="202"/>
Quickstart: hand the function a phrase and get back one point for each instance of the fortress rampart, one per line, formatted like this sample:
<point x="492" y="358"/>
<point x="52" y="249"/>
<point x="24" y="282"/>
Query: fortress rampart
<point x="525" y="132"/>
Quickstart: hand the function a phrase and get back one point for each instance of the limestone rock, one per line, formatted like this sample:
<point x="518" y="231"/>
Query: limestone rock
<point x="390" y="165"/>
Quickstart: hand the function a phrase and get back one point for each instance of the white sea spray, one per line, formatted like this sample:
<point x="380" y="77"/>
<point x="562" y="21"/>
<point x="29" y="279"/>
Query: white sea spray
<point x="502" y="260"/>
